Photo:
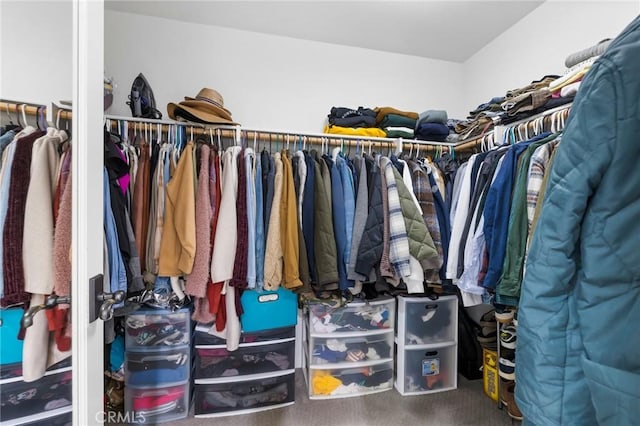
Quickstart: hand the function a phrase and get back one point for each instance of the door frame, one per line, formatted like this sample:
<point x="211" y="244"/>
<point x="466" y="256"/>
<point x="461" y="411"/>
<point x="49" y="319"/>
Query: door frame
<point x="87" y="226"/>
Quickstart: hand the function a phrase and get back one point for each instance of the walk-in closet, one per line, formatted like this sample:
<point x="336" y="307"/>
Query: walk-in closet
<point x="305" y="212"/>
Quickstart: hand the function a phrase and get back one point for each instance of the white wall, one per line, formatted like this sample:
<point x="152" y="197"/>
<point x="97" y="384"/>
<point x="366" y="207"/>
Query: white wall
<point x="267" y="81"/>
<point x="538" y="44"/>
<point x="36" y="52"/>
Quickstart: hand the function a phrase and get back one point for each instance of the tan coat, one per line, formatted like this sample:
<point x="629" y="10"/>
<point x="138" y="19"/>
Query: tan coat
<point x="178" y="246"/>
<point x="289" y="227"/>
<point x="274" y="251"/>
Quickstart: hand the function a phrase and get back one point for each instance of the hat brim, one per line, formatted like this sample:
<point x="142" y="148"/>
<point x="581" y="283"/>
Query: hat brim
<point x="197" y="103"/>
<point x="196" y="114"/>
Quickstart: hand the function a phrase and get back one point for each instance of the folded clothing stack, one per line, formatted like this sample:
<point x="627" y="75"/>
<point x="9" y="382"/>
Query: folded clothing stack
<point x="432" y="126"/>
<point x="396" y="123"/>
<point x="347" y="117"/>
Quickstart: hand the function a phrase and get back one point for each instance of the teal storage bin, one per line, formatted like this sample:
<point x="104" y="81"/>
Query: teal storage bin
<point x="9" y="328"/>
<point x="264" y="310"/>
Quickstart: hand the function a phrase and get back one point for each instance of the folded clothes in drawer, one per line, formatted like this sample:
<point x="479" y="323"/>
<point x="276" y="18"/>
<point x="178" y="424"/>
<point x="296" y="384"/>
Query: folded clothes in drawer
<point x="157" y="405"/>
<point x="217" y="398"/>
<point x="250" y="359"/>
<point x="345" y="381"/>
<point x="21" y="399"/>
<point x="152" y="328"/>
<point x="429" y="321"/>
<point x="157" y="367"/>
<point x="12" y="371"/>
<point x="356" y="316"/>
<point x="351" y="349"/>
<point x="202" y="337"/>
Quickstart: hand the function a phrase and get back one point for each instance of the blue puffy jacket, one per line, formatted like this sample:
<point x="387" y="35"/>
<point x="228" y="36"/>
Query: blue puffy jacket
<point x="578" y="353"/>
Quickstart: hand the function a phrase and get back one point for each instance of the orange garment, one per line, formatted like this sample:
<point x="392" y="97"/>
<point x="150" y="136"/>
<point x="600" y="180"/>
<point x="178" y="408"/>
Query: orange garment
<point x="289" y="227"/>
<point x="178" y="246"/>
<point x="381" y="112"/>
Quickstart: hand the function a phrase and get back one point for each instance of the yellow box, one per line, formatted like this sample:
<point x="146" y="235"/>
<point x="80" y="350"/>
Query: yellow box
<point x="490" y="373"/>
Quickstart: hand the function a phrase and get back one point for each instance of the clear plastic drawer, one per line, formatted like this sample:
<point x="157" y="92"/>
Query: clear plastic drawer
<point x="427" y="370"/>
<point x="360" y="316"/>
<point x="422" y="321"/>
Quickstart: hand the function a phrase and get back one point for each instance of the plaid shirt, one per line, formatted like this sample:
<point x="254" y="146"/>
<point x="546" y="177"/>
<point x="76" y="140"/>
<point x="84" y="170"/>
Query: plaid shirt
<point x="399" y="241"/>
<point x="424" y="193"/>
<point x="537" y="168"/>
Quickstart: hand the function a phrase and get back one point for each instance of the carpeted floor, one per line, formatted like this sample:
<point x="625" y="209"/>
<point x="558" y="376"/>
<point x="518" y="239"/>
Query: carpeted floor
<point x="465" y="406"/>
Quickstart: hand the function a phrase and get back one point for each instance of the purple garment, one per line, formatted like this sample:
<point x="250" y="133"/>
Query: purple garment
<point x="123" y="181"/>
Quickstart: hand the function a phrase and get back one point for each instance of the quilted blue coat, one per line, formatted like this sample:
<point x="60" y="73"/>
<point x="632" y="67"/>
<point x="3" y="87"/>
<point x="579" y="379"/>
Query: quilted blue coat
<point x="578" y="347"/>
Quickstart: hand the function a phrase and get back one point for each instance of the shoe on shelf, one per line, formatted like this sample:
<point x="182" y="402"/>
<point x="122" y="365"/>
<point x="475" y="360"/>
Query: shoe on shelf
<point x="488" y="319"/>
<point x="488" y="338"/>
<point x="512" y="408"/>
<point x="504" y="314"/>
<point x="507" y="368"/>
<point x="508" y="337"/>
<point x="515" y="318"/>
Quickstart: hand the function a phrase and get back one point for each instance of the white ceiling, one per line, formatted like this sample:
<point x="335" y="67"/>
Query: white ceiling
<point x="449" y="30"/>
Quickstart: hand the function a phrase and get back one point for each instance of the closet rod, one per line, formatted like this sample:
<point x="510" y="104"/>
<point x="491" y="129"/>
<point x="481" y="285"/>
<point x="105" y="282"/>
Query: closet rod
<point x="29" y="109"/>
<point x="312" y="138"/>
<point x="477" y="140"/>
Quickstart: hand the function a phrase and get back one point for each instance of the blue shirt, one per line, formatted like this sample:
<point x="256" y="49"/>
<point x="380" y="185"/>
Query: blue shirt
<point x="117" y="272"/>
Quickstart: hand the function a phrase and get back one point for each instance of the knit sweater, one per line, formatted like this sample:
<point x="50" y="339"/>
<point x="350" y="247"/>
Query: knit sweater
<point x="197" y="281"/>
<point x="12" y="261"/>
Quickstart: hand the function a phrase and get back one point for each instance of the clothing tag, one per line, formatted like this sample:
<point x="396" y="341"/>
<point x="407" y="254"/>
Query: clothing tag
<point x="431" y="367"/>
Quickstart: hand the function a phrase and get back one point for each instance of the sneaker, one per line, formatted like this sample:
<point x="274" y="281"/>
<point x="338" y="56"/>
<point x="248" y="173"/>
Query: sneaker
<point x="508" y="337"/>
<point x="504" y="314"/>
<point x="507" y="368"/>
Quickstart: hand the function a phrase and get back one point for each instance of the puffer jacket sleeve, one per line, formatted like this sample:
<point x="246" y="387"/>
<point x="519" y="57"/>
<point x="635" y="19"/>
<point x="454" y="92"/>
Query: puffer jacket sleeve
<point x="370" y="249"/>
<point x="549" y="340"/>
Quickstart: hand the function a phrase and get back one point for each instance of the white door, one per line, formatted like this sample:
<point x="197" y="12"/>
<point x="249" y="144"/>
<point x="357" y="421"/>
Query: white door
<point x="87" y="241"/>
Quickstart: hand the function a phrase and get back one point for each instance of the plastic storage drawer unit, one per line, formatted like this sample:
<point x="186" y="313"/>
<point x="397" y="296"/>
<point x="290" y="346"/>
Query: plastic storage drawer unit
<point x="157" y="404"/>
<point x="426" y="321"/>
<point x="355" y="380"/>
<point x="203" y="338"/>
<point x="250" y="359"/>
<point x="244" y="396"/>
<point x="427" y="370"/>
<point x="354" y="317"/>
<point x="162" y="367"/>
<point x="157" y="328"/>
<point x="20" y="399"/>
<point x="370" y="347"/>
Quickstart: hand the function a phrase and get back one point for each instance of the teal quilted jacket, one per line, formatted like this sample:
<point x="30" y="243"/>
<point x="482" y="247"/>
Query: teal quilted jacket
<point x="578" y="347"/>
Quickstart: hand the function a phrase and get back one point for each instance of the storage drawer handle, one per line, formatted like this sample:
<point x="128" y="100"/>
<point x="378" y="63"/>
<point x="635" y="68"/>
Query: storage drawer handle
<point x="431" y="353"/>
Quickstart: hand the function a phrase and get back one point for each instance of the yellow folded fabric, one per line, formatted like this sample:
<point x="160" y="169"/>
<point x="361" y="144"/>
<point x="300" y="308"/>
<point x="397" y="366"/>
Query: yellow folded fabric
<point x="324" y="384"/>
<point x="360" y="131"/>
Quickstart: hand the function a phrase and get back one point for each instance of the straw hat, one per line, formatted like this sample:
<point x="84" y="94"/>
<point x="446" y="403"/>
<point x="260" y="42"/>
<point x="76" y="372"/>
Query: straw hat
<point x="206" y="107"/>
